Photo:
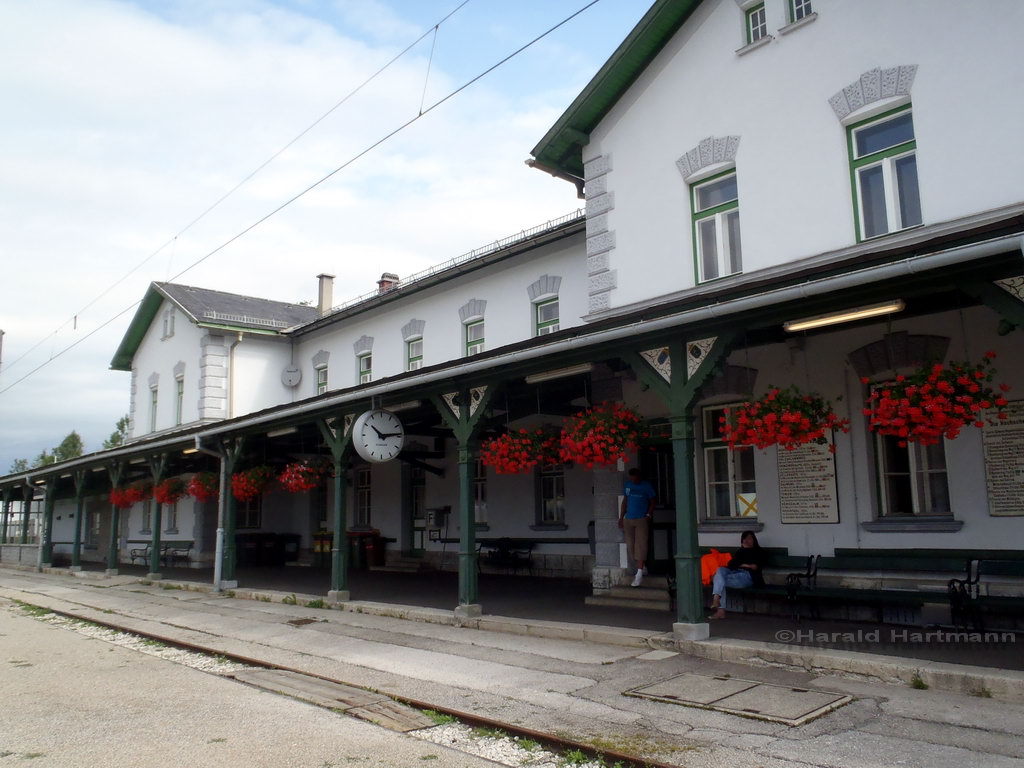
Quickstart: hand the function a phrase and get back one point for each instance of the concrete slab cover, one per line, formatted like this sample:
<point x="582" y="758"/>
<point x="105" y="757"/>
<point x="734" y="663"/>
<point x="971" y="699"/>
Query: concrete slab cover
<point x="747" y="698"/>
<point x="657" y="655"/>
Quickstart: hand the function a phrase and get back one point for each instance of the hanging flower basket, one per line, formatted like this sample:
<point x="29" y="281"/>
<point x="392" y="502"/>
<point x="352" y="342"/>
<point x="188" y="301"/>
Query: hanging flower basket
<point x="520" y="451"/>
<point x="305" y="475"/>
<point x="169" y="491"/>
<point x="204" y="486"/>
<point x="129" y="496"/>
<point x="936" y="402"/>
<point x="785" y="417"/>
<point x="251" y="483"/>
<point x="600" y="435"/>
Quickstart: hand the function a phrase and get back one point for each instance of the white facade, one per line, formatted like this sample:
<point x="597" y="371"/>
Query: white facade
<point x="791" y="161"/>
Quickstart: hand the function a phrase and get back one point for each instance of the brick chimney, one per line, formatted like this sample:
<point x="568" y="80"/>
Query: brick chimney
<point x="325" y="297"/>
<point x="387" y="281"/>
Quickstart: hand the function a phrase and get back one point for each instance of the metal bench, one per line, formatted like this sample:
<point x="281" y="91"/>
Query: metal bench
<point x="968" y="601"/>
<point x="510" y="554"/>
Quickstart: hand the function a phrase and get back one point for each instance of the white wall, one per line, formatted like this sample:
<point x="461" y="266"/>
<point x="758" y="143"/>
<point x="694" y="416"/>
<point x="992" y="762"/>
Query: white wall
<point x="508" y="317"/>
<point x="157" y="355"/>
<point x="258" y="363"/>
<point x="792" y="164"/>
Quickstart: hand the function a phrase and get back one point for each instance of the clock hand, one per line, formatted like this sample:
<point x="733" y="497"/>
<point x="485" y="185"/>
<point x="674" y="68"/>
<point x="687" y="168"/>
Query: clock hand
<point x="379" y="435"/>
<point x="389" y="434"/>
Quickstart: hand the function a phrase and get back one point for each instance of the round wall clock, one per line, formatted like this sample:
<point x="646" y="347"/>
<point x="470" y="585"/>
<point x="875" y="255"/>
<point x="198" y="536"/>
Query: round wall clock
<point x="378" y="436"/>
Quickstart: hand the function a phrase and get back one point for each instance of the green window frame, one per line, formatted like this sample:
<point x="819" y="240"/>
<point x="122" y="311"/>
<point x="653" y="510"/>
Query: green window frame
<point x="715" y="205"/>
<point x="179" y="401"/>
<point x="728" y="473"/>
<point x="545" y="317"/>
<point x="321" y="379"/>
<point x="364" y="497"/>
<point x="474" y="335"/>
<point x="364" y="365"/>
<point x="414" y="354"/>
<point x="756" y="23"/>
<point x="153" y="400"/>
<point x="799" y="9"/>
<point x="883" y="174"/>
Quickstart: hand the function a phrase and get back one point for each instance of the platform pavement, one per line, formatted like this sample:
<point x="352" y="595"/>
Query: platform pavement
<point x="564" y="686"/>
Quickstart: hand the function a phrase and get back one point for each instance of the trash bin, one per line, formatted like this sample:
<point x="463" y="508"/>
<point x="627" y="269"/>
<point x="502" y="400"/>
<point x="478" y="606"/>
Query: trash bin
<point x="323" y="541"/>
<point x="247" y="550"/>
<point x="290" y="544"/>
<point x="357" y="541"/>
<point x="374" y="548"/>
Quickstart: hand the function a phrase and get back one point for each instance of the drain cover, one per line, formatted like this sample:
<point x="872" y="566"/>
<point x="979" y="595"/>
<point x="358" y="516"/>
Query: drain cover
<point x="748" y="698"/>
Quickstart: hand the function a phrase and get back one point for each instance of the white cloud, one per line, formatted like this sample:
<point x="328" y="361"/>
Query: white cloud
<point x="121" y="126"/>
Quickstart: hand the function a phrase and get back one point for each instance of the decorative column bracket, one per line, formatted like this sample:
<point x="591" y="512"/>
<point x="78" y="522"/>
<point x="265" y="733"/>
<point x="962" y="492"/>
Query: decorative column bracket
<point x="340" y="443"/>
<point x="1004" y="297"/>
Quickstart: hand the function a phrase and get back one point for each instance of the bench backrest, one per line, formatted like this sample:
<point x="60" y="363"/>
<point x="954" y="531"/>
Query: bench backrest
<point x="962" y="554"/>
<point x="1007" y="568"/>
<point x="895" y="562"/>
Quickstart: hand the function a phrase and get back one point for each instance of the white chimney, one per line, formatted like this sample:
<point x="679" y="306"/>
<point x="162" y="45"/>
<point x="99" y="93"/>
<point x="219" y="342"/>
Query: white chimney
<point x="387" y="281"/>
<point x="325" y="298"/>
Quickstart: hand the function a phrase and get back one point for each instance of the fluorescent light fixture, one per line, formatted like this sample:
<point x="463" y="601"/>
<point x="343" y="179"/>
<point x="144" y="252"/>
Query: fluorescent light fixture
<point x="559" y="373"/>
<point x="190" y="450"/>
<point x="282" y="432"/>
<point x="846" y="316"/>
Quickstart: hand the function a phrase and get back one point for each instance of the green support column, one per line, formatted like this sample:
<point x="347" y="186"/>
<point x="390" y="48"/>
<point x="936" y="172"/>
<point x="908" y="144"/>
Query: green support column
<point x="462" y="412"/>
<point x="114" y="470"/>
<point x="469" y="582"/>
<point x="26" y="505"/>
<point x="157" y="466"/>
<point x="338" y="436"/>
<point x="689" y="596"/>
<point x="47" y="539"/>
<point x="6" y="516"/>
<point x="691" y="365"/>
<point x="231" y="452"/>
<point x="76" y="547"/>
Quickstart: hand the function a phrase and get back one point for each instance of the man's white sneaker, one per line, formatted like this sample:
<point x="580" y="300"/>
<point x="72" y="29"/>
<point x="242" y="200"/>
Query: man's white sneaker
<point x="637" y="579"/>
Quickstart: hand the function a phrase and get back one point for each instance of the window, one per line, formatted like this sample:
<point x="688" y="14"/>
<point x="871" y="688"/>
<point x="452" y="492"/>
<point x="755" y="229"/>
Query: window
<point x="152" y="409"/>
<point x="479" y="492"/>
<point x="413" y="354"/>
<point x="249" y="514"/>
<point x="474" y="337"/>
<point x="716" y="227"/>
<point x="799" y="9"/>
<point x="912" y="478"/>
<point x="179" y="400"/>
<point x="321" y="380"/>
<point x="757" y="23"/>
<point x="363" y="498"/>
<point x="552" y="495"/>
<point x="148" y="513"/>
<point x="168" y="324"/>
<point x="728" y="474"/>
<point x="546" y="316"/>
<point x="171" y="518"/>
<point x="883" y="158"/>
<point x="364" y="364"/>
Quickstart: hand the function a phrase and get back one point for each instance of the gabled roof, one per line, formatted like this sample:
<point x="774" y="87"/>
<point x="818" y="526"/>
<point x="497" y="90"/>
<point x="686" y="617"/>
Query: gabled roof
<point x="561" y="149"/>
<point x="211" y="309"/>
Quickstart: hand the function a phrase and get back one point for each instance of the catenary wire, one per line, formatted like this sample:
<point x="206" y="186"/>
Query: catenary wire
<point x="246" y="179"/>
<point x="313" y="186"/>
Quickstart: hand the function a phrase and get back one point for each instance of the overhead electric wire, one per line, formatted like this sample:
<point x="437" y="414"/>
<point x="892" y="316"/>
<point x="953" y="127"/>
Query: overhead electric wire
<point x="316" y="184"/>
<point x="249" y="177"/>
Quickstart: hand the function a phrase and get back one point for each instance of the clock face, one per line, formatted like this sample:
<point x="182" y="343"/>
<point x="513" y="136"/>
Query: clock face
<point x="378" y="436"/>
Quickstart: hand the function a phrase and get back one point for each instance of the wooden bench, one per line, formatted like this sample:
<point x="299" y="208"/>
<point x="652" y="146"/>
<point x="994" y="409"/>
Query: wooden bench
<point x="507" y="553"/>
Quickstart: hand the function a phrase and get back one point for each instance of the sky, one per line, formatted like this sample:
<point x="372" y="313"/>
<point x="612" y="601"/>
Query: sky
<point x="124" y="122"/>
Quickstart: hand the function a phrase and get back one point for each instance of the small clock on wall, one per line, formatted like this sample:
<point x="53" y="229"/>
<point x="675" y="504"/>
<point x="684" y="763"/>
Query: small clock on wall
<point x="378" y="436"/>
<point x="291" y="376"/>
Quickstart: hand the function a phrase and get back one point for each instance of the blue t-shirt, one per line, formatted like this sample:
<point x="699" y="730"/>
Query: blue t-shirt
<point x="638" y="496"/>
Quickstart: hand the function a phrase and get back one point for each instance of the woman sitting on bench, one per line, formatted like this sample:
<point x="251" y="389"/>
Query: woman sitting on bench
<point x="743" y="570"/>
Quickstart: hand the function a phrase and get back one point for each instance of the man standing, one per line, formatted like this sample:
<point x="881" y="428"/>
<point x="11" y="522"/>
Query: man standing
<point x="634" y="520"/>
